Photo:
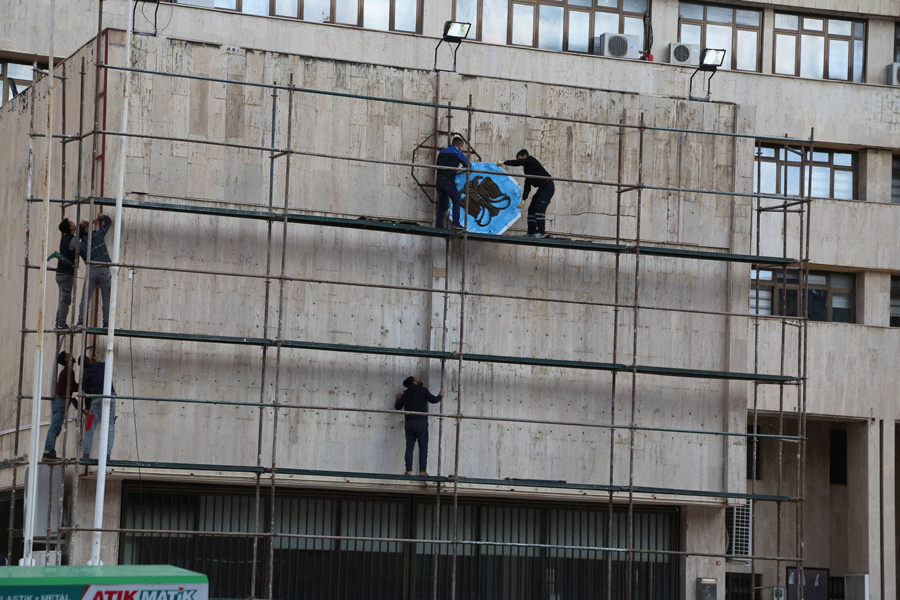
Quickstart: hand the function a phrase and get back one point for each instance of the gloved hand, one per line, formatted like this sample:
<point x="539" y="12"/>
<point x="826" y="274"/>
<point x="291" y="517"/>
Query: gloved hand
<point x="56" y="255"/>
<point x="499" y="164"/>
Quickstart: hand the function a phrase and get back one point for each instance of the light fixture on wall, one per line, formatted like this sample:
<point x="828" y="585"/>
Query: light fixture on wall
<point x="710" y="60"/>
<point x="454" y="33"/>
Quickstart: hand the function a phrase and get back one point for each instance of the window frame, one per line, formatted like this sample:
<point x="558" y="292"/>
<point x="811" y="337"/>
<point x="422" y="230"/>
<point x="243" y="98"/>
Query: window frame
<point x="807" y="163"/>
<point x="392" y="17"/>
<point x="894" y="302"/>
<point x="21" y="84"/>
<point x="568" y="8"/>
<point x="801" y="31"/>
<point x="735" y="28"/>
<point x="895" y="179"/>
<point x="781" y="286"/>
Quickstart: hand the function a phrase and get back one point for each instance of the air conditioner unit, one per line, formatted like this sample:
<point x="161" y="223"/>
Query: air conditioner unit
<point x="892" y="74"/>
<point x="617" y="45"/>
<point x="739" y="532"/>
<point x="684" y="54"/>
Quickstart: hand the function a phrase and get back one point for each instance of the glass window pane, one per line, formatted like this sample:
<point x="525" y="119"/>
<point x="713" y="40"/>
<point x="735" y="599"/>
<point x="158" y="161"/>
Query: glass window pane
<point x="318" y="11"/>
<point x="635" y="6"/>
<point x="493" y="21"/>
<point x="747" y="50"/>
<point x="286" y="8"/>
<point x="818" y="307"/>
<point x="858" y="60"/>
<point x="859" y="30"/>
<point x="550" y="27"/>
<point x="347" y="11"/>
<point x="761" y="299"/>
<point x="747" y="17"/>
<point x="842" y="281"/>
<point x="767" y="175"/>
<point x="840" y="308"/>
<point x="765" y="151"/>
<point x="785" y="54"/>
<point x="790" y="301"/>
<point x="821" y="156"/>
<point x="836" y="27"/>
<point x="608" y="3"/>
<point x="813" y="24"/>
<point x="580" y="2"/>
<point x="821" y="182"/>
<point x="376" y="14"/>
<point x="812" y="56"/>
<point x="783" y="21"/>
<point x="579" y="31"/>
<point x="226" y="4"/>
<point x="843" y="159"/>
<point x="792" y="185"/>
<point x="690" y="34"/>
<point x="255" y="7"/>
<point x="843" y="185"/>
<point x="895" y="179"/>
<point x="691" y="11"/>
<point x="817" y="279"/>
<point x="19" y="71"/>
<point x="406" y="16"/>
<point x="838" y="59"/>
<point x="523" y="25"/>
<point x="634" y="26"/>
<point x="467" y="12"/>
<point x="605" y="23"/>
<point x="720" y="36"/>
<point x="719" y="14"/>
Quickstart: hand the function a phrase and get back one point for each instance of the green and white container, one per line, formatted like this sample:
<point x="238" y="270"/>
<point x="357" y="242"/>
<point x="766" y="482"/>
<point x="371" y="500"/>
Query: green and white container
<point x="115" y="582"/>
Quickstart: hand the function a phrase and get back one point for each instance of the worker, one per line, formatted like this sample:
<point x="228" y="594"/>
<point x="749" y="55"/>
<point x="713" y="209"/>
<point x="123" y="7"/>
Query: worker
<point x="415" y="400"/>
<point x="536" y="177"/>
<point x="445" y="184"/>
<point x="92" y="377"/>
<point x="99" y="274"/>
<point x="65" y="386"/>
<point x="65" y="271"/>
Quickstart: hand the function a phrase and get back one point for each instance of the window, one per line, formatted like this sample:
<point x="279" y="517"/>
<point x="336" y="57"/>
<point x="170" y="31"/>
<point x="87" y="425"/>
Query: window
<point x="895" y="301"/>
<point x="386" y="15"/>
<point x="837" y="447"/>
<point x="895" y="179"/>
<point x="738" y="31"/>
<point x="819" y="48"/>
<point x="830" y="296"/>
<point x="552" y="24"/>
<point x="16" y="78"/>
<point x="828" y="173"/>
<point x="897" y="41"/>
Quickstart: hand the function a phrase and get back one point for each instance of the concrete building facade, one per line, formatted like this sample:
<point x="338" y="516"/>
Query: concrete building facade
<point x="625" y="400"/>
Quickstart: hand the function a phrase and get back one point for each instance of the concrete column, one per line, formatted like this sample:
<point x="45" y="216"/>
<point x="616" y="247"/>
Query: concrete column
<point x="703" y="530"/>
<point x="879" y="48"/>
<point x="664" y="17"/>
<point x="863" y="503"/>
<point x="84" y="516"/>
<point x="768" y="40"/>
<point x="873" y="291"/>
<point x="888" y="507"/>
<point x="874" y="183"/>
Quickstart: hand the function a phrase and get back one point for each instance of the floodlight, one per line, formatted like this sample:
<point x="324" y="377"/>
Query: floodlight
<point x="711" y="59"/>
<point x="455" y="31"/>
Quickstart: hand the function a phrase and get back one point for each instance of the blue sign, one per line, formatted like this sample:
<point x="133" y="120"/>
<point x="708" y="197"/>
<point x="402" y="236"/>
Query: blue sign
<point x="495" y="200"/>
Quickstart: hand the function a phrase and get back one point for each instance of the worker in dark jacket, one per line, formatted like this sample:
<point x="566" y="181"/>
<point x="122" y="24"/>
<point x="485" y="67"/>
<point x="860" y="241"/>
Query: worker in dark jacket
<point x="65" y="271"/>
<point x="65" y="387"/>
<point x="536" y="177"/>
<point x="92" y="377"/>
<point x="445" y="184"/>
<point x="415" y="400"/>
<point x="99" y="275"/>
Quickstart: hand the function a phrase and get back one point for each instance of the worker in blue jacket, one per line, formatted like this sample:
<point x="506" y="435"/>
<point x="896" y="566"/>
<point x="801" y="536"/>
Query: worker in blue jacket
<point x="445" y="184"/>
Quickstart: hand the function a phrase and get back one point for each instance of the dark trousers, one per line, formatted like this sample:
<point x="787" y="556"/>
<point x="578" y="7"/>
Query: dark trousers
<point x="447" y="193"/>
<point x="417" y="429"/>
<point x="537" y="210"/>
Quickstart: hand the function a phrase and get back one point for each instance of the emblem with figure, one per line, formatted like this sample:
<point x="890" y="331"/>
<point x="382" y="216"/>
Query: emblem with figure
<point x="494" y="199"/>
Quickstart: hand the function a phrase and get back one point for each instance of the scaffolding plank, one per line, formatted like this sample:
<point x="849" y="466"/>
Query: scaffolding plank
<point x="415" y="229"/>
<point x="443" y="355"/>
<point x="439" y="479"/>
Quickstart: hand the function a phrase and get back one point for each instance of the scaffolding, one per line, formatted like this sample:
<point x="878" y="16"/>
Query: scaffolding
<point x="269" y="479"/>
